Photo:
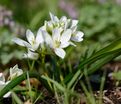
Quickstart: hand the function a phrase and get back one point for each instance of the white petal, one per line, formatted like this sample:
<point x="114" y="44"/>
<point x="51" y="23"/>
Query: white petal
<point x="60" y="52"/>
<point x="64" y="44"/>
<point x="74" y="28"/>
<point x="66" y="35"/>
<point x="51" y="16"/>
<point x="67" y="24"/>
<point x="74" y="23"/>
<point x="2" y="78"/>
<point x="31" y="55"/>
<point x="7" y="95"/>
<point x="63" y="19"/>
<point x="35" y="47"/>
<point x="56" y="34"/>
<point x="48" y="39"/>
<point x="43" y="27"/>
<point x="21" y="42"/>
<point x="78" y="36"/>
<point x="76" y="39"/>
<point x="54" y="18"/>
<point x="30" y="36"/>
<point x="15" y="71"/>
<point x="49" y="25"/>
<point x="39" y="37"/>
<point x="1" y="83"/>
<point x="12" y="69"/>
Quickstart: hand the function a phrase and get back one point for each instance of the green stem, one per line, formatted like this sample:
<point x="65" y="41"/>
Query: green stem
<point x="32" y="66"/>
<point x="43" y="62"/>
<point x="74" y="78"/>
<point x="102" y="87"/>
<point x="66" y="98"/>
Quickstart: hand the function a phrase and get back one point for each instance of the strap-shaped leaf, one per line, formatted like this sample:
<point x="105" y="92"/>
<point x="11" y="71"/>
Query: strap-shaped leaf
<point x="16" y="81"/>
<point x="111" y="51"/>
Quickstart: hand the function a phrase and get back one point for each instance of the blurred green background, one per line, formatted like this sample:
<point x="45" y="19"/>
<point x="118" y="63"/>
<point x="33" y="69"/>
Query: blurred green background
<point x="100" y="20"/>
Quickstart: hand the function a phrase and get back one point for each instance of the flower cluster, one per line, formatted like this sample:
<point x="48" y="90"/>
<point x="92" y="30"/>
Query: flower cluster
<point x="55" y="34"/>
<point x="14" y="72"/>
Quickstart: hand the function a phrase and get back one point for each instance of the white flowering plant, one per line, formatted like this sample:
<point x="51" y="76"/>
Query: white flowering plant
<point x="14" y="72"/>
<point x="55" y="34"/>
<point x="52" y="40"/>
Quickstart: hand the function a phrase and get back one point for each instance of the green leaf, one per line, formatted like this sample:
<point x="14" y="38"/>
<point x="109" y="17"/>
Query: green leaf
<point x="16" y="81"/>
<point x="16" y="98"/>
<point x="102" y="61"/>
<point x="106" y="54"/>
<point x="59" y="86"/>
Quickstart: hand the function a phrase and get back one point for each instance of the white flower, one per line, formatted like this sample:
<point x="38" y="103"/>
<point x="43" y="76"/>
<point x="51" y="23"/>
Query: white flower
<point x="76" y="36"/>
<point x="3" y="84"/>
<point x="56" y="33"/>
<point x="64" y="23"/>
<point x="33" y="42"/>
<point x="31" y="55"/>
<point x="60" y="39"/>
<point x="55" y="22"/>
<point x="15" y="71"/>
